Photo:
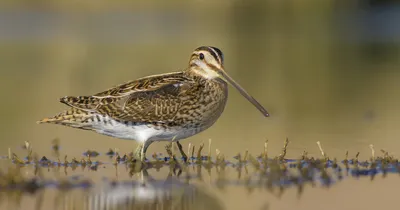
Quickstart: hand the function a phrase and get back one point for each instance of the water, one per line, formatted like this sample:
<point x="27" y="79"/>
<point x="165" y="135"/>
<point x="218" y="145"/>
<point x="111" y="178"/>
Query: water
<point x="115" y="182"/>
<point x="325" y="71"/>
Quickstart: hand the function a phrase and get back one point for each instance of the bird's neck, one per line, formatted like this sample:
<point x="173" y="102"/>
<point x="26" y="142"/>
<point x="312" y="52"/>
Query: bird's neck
<point x="197" y="72"/>
<point x="202" y="71"/>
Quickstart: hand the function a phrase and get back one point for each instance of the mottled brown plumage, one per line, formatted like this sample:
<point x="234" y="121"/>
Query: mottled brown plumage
<point x="169" y="106"/>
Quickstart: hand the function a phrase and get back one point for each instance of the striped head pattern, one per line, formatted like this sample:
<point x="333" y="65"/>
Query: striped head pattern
<point x="208" y="62"/>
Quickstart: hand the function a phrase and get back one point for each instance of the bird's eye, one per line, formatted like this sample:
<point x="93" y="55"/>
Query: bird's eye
<point x="201" y="56"/>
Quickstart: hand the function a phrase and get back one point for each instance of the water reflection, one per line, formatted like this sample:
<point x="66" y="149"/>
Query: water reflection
<point x="155" y="194"/>
<point x="184" y="186"/>
<point x="170" y="193"/>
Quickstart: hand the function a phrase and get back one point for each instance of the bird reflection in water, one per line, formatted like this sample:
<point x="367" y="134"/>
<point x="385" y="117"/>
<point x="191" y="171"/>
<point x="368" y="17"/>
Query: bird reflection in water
<point x="170" y="193"/>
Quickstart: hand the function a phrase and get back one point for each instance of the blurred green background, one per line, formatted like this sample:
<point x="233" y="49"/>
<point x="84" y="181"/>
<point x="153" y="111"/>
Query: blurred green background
<point x="326" y="70"/>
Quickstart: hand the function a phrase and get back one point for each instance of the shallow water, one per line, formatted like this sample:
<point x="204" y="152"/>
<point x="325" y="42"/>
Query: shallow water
<point x="326" y="72"/>
<point x="114" y="182"/>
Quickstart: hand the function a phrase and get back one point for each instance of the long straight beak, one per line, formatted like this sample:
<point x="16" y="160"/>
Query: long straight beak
<point x="244" y="93"/>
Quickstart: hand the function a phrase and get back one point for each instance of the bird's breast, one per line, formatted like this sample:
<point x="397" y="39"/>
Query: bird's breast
<point x="204" y="106"/>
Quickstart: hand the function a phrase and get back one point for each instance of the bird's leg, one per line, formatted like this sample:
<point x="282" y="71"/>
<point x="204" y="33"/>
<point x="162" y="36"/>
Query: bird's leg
<point x="144" y="150"/>
<point x="138" y="151"/>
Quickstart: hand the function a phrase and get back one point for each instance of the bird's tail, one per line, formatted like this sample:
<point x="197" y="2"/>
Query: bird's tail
<point x="72" y="117"/>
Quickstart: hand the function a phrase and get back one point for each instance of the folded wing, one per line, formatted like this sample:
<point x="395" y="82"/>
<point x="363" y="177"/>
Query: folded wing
<point x="155" y="99"/>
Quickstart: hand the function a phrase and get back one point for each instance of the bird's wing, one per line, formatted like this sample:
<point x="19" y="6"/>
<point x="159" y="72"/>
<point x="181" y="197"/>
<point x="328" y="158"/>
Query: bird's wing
<point x="143" y="84"/>
<point x="150" y="99"/>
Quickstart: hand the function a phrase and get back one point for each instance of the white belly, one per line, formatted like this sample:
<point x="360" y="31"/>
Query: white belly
<point x="139" y="133"/>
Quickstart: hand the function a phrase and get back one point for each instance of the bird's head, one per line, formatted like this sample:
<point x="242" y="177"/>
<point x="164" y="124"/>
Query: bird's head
<point x="208" y="62"/>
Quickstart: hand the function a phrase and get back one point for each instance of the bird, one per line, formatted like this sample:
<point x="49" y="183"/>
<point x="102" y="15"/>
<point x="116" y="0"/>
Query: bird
<point x="163" y="107"/>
